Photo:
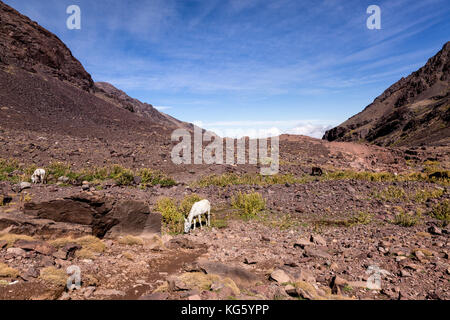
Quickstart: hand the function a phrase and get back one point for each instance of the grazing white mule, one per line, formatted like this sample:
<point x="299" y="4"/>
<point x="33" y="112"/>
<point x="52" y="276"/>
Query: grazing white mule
<point x="197" y="210"/>
<point x="38" y="176"/>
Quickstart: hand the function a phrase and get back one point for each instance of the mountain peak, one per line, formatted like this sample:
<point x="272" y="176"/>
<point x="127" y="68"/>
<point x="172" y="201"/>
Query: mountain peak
<point x="412" y="111"/>
<point x="27" y="45"/>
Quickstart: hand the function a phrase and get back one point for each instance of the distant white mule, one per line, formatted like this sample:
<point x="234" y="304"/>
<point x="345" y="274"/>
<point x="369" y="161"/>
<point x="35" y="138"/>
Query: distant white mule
<point x="38" y="176"/>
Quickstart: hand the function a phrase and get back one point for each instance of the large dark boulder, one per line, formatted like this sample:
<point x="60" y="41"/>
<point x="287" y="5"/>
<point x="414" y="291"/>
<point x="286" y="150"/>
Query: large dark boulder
<point x="64" y="210"/>
<point x="134" y="218"/>
<point x="106" y="216"/>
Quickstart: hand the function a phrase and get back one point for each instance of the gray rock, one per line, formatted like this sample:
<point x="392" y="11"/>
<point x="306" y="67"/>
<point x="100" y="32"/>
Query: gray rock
<point x="18" y="252"/>
<point x="319" y="240"/>
<point x="24" y="185"/>
<point x="63" y="179"/>
<point x="109" y="292"/>
<point x="155" y="296"/>
<point x="435" y="230"/>
<point x="317" y="253"/>
<point x="280" y="276"/>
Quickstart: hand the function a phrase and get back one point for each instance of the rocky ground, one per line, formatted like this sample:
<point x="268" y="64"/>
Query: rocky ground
<point x="316" y="240"/>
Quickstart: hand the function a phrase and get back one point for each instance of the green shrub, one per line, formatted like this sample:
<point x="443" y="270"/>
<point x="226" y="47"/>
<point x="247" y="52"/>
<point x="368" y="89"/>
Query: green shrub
<point x="362" y="217"/>
<point x="122" y="176"/>
<point x="172" y="216"/>
<point x="407" y="219"/>
<point x="441" y="211"/>
<point x="58" y="169"/>
<point x="6" y="168"/>
<point x="422" y="196"/>
<point x="229" y="179"/>
<point x="250" y="204"/>
<point x="153" y="178"/>
<point x="391" y="193"/>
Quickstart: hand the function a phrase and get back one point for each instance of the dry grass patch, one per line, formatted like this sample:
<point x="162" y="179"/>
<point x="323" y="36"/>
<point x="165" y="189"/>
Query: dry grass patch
<point x="11" y="238"/>
<point x="85" y="254"/>
<point x="203" y="281"/>
<point x="128" y="255"/>
<point x="53" y="275"/>
<point x="91" y="246"/>
<point x="7" y="272"/>
<point x="308" y="291"/>
<point x="131" y="241"/>
<point x="90" y="243"/>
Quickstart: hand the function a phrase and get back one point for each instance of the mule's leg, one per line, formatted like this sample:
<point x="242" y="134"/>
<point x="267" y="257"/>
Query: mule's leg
<point x="200" y="220"/>
<point x="195" y="223"/>
<point x="209" y="217"/>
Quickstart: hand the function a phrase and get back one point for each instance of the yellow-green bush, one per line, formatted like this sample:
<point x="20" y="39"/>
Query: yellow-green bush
<point x="391" y="193"/>
<point x="171" y="215"/>
<point x="407" y="219"/>
<point x="6" y="168"/>
<point x="250" y="203"/>
<point x="363" y="217"/>
<point x="441" y="212"/>
<point x="228" y="179"/>
<point x="153" y="178"/>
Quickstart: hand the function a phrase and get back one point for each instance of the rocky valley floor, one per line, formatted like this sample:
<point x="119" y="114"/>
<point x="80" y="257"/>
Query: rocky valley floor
<point x="314" y="240"/>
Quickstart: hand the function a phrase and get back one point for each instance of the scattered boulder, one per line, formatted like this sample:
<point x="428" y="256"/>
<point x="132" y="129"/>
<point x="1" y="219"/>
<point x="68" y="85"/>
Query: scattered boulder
<point x="23" y="186"/>
<point x="337" y="284"/>
<point x="316" y="253"/>
<point x="435" y="230"/>
<point x="133" y="218"/>
<point x="319" y="240"/>
<point x="181" y="243"/>
<point x="16" y="252"/>
<point x="302" y="243"/>
<point x="280" y="276"/>
<point x="155" y="296"/>
<point x="37" y="246"/>
<point x="239" y="275"/>
<point x="109" y="292"/>
<point x="316" y="171"/>
<point x="102" y="214"/>
<point x="63" y="179"/>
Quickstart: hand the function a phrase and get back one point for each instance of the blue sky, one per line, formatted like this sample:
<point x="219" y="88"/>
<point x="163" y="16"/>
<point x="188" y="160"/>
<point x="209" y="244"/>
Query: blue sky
<point x="239" y="66"/>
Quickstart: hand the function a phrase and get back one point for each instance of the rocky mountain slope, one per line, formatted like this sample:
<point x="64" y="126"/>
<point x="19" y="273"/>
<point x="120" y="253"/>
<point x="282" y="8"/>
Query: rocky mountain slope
<point x="413" y="111"/>
<point x="44" y="88"/>
<point x="25" y="44"/>
<point x="117" y="96"/>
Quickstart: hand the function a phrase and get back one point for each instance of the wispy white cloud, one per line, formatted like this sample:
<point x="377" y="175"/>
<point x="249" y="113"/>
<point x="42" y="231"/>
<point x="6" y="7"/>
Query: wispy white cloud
<point x="161" y="108"/>
<point x="260" y="129"/>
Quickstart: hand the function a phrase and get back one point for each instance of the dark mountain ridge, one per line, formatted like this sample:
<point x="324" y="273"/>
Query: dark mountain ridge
<point x="413" y="111"/>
